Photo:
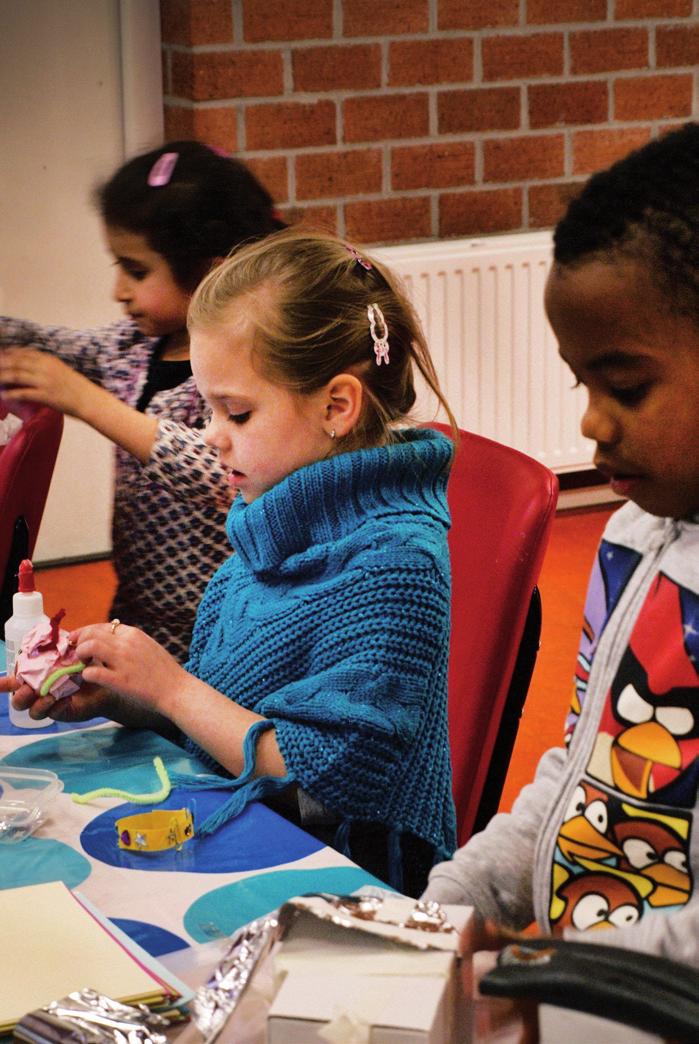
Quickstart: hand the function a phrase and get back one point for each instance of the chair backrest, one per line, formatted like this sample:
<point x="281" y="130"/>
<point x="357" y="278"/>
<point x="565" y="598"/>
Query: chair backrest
<point x="26" y="467"/>
<point x="502" y="505"/>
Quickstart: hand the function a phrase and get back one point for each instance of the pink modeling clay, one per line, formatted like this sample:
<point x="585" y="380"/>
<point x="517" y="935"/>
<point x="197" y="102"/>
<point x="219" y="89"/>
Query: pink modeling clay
<point x="47" y="662"/>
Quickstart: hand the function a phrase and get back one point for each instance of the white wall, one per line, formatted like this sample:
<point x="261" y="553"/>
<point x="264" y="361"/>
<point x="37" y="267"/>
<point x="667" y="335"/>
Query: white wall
<point x="80" y="88"/>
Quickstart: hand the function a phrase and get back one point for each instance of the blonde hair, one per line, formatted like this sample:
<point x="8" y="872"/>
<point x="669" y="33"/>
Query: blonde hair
<point x="316" y="324"/>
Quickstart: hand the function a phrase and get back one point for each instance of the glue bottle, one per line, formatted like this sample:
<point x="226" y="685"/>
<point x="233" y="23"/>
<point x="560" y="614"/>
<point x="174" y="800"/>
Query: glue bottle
<point x="27" y="612"/>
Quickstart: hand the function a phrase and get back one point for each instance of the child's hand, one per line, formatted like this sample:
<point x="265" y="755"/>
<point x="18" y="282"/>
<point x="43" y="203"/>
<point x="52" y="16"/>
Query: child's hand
<point x="90" y="701"/>
<point x="516" y="1018"/>
<point x="486" y="935"/>
<point x="128" y="662"/>
<point x="38" y="377"/>
<point x="22" y="696"/>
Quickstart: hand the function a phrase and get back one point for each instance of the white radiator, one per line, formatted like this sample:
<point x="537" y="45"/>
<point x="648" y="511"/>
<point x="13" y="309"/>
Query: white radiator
<point x="481" y="305"/>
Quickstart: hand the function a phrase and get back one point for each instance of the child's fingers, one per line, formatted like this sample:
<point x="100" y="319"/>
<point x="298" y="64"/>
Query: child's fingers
<point x="93" y="641"/>
<point x="26" y="699"/>
<point x="114" y="646"/>
<point x="80" y="632"/>
<point x="18" y="366"/>
<point x="38" y="377"/>
<point x="98" y="674"/>
<point x="486" y="935"/>
<point x="95" y="653"/>
<point x="24" y="394"/>
<point x="22" y="696"/>
<point x="9" y="683"/>
<point x="79" y="706"/>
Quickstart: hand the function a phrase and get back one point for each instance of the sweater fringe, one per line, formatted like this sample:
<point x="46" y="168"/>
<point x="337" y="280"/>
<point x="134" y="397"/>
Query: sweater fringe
<point x="247" y="787"/>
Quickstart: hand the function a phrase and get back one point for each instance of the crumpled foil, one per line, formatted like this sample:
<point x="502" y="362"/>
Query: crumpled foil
<point x="88" y="1017"/>
<point x="216" y="1001"/>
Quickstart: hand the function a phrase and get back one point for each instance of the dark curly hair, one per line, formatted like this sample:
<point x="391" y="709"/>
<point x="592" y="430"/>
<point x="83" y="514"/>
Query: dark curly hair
<point x="645" y="208"/>
<point x="210" y="205"/>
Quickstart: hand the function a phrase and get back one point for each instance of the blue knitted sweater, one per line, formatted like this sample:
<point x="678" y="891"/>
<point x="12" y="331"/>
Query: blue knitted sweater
<point x="332" y="621"/>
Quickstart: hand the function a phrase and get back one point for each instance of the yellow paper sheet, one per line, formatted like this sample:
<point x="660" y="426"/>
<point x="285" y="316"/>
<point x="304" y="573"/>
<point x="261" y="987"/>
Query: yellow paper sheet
<point x="50" y="945"/>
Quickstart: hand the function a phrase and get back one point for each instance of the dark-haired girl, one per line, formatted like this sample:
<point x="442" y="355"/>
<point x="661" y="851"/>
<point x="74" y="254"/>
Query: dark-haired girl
<point x="168" y="216"/>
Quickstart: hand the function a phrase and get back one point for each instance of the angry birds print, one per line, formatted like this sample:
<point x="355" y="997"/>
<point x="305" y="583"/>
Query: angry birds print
<point x="648" y="738"/>
<point x="610" y="574"/>
<point x="614" y="861"/>
<point x="655" y="847"/>
<point x="594" y="901"/>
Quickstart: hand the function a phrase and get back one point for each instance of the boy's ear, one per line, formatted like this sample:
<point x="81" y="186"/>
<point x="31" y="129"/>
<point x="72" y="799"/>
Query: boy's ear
<point x="344" y="398"/>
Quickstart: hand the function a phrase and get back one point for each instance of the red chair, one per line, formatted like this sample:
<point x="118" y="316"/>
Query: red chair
<point x="502" y="505"/>
<point x="26" y="467"/>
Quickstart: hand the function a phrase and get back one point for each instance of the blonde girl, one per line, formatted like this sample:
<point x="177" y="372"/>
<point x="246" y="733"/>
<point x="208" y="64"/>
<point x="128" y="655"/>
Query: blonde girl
<point x="317" y="679"/>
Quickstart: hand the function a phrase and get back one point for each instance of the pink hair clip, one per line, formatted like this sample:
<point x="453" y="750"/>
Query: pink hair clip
<point x="380" y="339"/>
<point x="358" y="257"/>
<point x="161" y="171"/>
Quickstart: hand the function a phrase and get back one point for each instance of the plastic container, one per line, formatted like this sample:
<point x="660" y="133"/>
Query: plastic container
<point x="27" y="612"/>
<point x="25" y="794"/>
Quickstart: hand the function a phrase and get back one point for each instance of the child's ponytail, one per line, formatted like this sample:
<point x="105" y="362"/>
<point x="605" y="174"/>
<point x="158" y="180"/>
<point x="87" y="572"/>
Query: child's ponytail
<point x="329" y="310"/>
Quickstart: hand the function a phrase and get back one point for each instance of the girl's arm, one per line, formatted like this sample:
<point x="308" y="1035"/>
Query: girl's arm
<point x="90" y="701"/>
<point x="133" y="680"/>
<point x="171" y="446"/>
<point x="82" y="350"/>
<point x="67" y="372"/>
<point x="175" y="453"/>
<point x="39" y="377"/>
<point x="219" y="725"/>
<point x="135" y="432"/>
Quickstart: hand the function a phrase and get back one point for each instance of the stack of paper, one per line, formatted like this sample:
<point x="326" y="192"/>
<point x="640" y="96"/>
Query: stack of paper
<point x="52" y="944"/>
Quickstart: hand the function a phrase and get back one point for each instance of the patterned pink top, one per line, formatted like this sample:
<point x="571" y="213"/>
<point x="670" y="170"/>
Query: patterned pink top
<point x="169" y="514"/>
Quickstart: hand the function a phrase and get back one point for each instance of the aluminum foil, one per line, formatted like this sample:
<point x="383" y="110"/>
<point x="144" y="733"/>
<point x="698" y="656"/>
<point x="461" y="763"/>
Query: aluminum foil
<point x="88" y="1017"/>
<point x="421" y="924"/>
<point x="216" y="1001"/>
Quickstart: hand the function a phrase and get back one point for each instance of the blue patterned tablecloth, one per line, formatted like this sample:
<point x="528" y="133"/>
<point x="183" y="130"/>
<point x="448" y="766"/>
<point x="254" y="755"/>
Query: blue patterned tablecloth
<point x="166" y="901"/>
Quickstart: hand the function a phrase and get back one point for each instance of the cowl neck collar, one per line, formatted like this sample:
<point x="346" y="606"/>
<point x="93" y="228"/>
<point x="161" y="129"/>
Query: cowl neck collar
<point x="323" y="502"/>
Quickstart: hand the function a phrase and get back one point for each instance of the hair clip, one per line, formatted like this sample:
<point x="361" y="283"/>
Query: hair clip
<point x="380" y="339"/>
<point x="358" y="257"/>
<point x="161" y="171"/>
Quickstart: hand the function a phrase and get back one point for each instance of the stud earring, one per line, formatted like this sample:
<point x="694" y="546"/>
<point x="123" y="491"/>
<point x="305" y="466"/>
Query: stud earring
<point x="331" y="433"/>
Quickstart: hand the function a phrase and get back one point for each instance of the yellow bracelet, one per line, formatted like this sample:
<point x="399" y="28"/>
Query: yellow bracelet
<point x="155" y="831"/>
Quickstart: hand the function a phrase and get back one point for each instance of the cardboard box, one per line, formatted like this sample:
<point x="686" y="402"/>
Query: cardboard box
<point x="390" y="1010"/>
<point x="375" y="987"/>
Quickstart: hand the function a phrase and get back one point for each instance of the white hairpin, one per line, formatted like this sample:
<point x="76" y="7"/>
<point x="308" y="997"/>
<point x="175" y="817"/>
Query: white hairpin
<point x="380" y="338"/>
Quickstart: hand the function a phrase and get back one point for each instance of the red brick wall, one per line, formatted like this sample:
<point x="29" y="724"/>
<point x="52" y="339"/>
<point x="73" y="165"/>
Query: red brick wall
<point x="393" y="120"/>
